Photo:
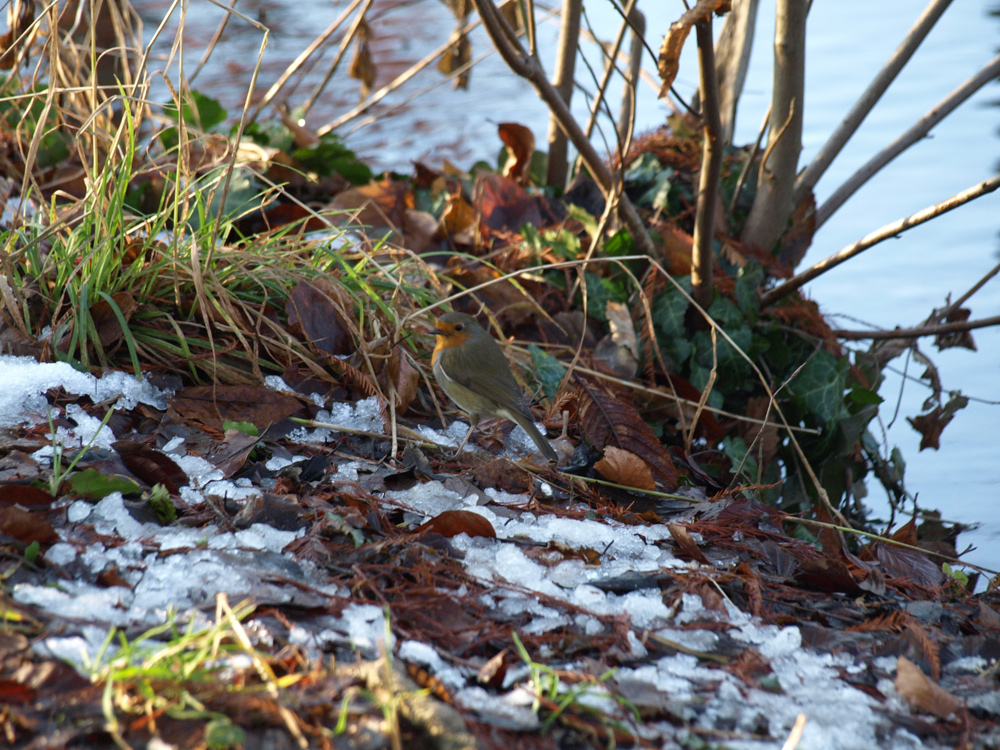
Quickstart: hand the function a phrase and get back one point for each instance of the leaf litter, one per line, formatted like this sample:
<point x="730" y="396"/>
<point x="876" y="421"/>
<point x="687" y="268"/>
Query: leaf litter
<point x="640" y="629"/>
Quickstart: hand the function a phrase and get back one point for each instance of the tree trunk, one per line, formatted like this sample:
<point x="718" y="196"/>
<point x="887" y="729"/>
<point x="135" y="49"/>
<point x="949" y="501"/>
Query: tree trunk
<point x="772" y="206"/>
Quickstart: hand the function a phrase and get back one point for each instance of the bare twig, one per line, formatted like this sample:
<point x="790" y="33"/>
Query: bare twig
<point x="562" y="80"/>
<point x="318" y="42"/>
<point x="920" y="331"/>
<point x="732" y="59"/>
<point x="812" y="174"/>
<point x="889" y="230"/>
<point x="711" y="168"/>
<point x="398" y="81"/>
<point x="527" y="67"/>
<point x="937" y="113"/>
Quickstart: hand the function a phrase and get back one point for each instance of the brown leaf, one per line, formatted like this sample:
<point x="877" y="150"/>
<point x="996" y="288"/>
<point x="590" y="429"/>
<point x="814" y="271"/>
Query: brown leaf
<point x="151" y="466"/>
<point x="230" y="455"/>
<point x="317" y="312"/>
<point x="687" y="544"/>
<point x="459" y="53"/>
<point x="455" y="522"/>
<point x="673" y="42"/>
<point x="403" y="376"/>
<point x="109" y="329"/>
<point x="932" y="424"/>
<point x="956" y="338"/>
<point x="520" y="143"/>
<point x="363" y="66"/>
<point x="622" y="467"/>
<point x="505" y="206"/>
<point x="922" y="692"/>
<point x="458" y="216"/>
<point x="608" y="418"/>
<point x="380" y="203"/>
<point x="27" y="526"/>
<point x="210" y="404"/>
<point x="25" y="496"/>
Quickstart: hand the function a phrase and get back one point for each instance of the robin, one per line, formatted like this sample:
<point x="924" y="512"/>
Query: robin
<point x="472" y="370"/>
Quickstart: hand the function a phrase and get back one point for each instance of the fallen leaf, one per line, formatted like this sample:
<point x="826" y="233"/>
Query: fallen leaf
<point x="626" y="468"/>
<point x="317" y="312"/>
<point x="917" y="688"/>
<point x="454" y="522"/>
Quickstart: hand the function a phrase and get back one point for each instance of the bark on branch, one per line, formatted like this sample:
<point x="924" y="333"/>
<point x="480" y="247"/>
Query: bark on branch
<point x="937" y="113"/>
<point x="528" y="67"/>
<point x="889" y="230"/>
<point x="711" y="168"/>
<point x="818" y="166"/>
<point x="772" y="206"/>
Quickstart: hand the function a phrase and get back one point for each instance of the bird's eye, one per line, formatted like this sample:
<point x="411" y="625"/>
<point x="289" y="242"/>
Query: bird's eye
<point x="459" y="327"/>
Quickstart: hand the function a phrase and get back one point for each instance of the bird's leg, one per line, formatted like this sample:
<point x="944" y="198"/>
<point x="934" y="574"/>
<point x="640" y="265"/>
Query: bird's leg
<point x="473" y="421"/>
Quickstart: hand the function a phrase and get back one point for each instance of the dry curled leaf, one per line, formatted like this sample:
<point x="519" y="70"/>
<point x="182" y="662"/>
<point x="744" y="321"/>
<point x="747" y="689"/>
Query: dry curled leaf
<point x="458" y="54"/>
<point x="922" y="692"/>
<point x="625" y="468"/>
<point x="363" y="66"/>
<point x="673" y="42"/>
<point x="608" y="418"/>
<point x="520" y="143"/>
<point x="454" y="522"/>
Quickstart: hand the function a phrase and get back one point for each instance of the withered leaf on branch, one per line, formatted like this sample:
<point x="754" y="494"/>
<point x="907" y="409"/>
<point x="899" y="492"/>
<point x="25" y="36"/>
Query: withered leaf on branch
<point x="608" y="418"/>
<point x="673" y="42"/>
<point x="932" y="424"/>
<point x="520" y="143"/>
<point x="458" y="54"/>
<point x="956" y="338"/>
<point x="363" y="66"/>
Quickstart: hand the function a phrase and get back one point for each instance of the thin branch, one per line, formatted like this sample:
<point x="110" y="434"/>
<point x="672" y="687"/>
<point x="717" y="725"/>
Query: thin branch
<point x="937" y="113"/>
<point x="811" y="175"/>
<point x="307" y="53"/>
<point x="398" y="81"/>
<point x="889" y="230"/>
<point x="562" y="80"/>
<point x="527" y="67"/>
<point x="711" y="168"/>
<point x="920" y="331"/>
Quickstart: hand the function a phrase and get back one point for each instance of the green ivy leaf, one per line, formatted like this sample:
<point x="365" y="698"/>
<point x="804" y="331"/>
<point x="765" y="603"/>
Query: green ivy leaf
<point x="95" y="485"/>
<point x="199" y="110"/>
<point x="819" y="388"/>
<point x="330" y="156"/>
<point x="548" y="370"/>
<point x="247" y="428"/>
<point x="600" y="291"/>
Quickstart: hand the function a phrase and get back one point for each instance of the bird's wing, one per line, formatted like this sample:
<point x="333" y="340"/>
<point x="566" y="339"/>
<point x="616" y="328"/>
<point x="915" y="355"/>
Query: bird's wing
<point x="493" y="381"/>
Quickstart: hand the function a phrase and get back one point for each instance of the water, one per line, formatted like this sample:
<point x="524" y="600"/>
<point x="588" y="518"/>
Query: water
<point x="895" y="283"/>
